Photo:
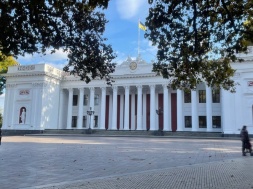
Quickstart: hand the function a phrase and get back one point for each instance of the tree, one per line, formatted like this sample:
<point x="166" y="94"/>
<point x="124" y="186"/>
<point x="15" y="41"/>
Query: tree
<point x="197" y="40"/>
<point x="7" y="61"/>
<point x="76" y="26"/>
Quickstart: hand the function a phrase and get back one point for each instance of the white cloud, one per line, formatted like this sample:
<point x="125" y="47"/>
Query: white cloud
<point x="128" y="9"/>
<point x="59" y="55"/>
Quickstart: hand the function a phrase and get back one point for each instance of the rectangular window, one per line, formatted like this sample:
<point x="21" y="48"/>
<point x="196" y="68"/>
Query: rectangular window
<point x="75" y="100"/>
<point x="216" y="95"/>
<point x="96" y="121"/>
<point x="216" y="121"/>
<point x="74" y="121"/>
<point x="84" y="121"/>
<point x="202" y="121"/>
<point x="188" y="121"/>
<point x="85" y="100"/>
<point x="96" y="99"/>
<point x="202" y="96"/>
<point x="187" y="96"/>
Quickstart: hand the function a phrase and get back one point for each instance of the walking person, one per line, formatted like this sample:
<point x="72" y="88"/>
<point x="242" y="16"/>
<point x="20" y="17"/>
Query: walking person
<point x="245" y="139"/>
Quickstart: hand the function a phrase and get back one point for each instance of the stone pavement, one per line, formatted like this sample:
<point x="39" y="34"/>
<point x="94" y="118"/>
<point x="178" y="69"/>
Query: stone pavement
<point x="50" y="162"/>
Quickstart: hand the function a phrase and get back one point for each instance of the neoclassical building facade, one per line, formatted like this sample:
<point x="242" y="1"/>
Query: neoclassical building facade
<point x="40" y="97"/>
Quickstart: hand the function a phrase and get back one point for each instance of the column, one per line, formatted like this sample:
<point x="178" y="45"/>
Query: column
<point x="80" y="109"/>
<point x="133" y="126"/>
<point x="6" y="108"/>
<point x="114" y="108"/>
<point x="126" y="117"/>
<point x="194" y="110"/>
<point x="110" y="111"/>
<point x="60" y="126"/>
<point x="179" y="110"/>
<point x="102" y="114"/>
<point x="139" y="108"/>
<point x="121" y="123"/>
<point x="165" y="108"/>
<point x="91" y="119"/>
<point x="209" y="108"/>
<point x="144" y="117"/>
<point x="70" y="104"/>
<point x="169" y="109"/>
<point x="152" y="108"/>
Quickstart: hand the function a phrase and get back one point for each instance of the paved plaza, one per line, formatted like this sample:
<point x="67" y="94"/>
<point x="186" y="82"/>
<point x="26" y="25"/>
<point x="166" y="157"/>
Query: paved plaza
<point x="86" y="162"/>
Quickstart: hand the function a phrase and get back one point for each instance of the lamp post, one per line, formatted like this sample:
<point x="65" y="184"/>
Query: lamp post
<point x="159" y="112"/>
<point x="90" y="113"/>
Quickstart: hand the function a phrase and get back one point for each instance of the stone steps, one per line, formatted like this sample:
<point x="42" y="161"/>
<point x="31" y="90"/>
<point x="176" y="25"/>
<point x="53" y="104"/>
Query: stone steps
<point x="134" y="133"/>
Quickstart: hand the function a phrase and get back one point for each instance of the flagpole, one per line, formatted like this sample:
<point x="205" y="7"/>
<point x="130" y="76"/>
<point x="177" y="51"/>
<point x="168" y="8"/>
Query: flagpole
<point x="138" y="38"/>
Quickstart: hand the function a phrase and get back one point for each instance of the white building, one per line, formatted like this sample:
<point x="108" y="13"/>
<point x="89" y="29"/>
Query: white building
<point x="40" y="97"/>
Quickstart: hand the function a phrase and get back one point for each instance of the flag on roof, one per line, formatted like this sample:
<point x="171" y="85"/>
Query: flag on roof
<point x="142" y="26"/>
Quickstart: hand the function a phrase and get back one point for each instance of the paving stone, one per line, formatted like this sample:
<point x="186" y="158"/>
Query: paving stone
<point x="122" y="162"/>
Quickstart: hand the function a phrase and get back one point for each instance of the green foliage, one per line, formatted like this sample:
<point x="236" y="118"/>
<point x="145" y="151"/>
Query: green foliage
<point x="75" y="26"/>
<point x="197" y="40"/>
<point x="6" y="61"/>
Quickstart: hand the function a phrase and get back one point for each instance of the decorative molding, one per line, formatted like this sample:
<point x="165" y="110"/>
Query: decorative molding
<point x="139" y="86"/>
<point x="23" y="92"/>
<point x="127" y="87"/>
<point x="26" y="68"/>
<point x="250" y="83"/>
<point x="103" y="89"/>
<point x="11" y="85"/>
<point x="39" y="84"/>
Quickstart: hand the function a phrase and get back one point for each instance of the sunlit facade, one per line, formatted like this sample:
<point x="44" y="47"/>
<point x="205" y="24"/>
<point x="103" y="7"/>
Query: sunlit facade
<point x="40" y="97"/>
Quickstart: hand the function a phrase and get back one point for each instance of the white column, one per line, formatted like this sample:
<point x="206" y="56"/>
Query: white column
<point x="169" y="109"/>
<point x="6" y="108"/>
<point x="179" y="110"/>
<point x="70" y="104"/>
<point x="165" y="108"/>
<point x="144" y="117"/>
<point x="121" y="122"/>
<point x="133" y="126"/>
<point x="103" y="102"/>
<point x="80" y="108"/>
<point x="139" y="108"/>
<point x="209" y="108"/>
<point x="152" y="108"/>
<point x="91" y="119"/>
<point x="126" y="117"/>
<point x="110" y="111"/>
<point x="194" y="110"/>
<point x="114" y="108"/>
<point x="60" y="126"/>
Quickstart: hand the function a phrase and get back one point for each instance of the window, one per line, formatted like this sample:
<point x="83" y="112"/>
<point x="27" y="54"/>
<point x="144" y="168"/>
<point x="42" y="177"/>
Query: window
<point x="75" y="99"/>
<point x="216" y="121"/>
<point x="187" y="96"/>
<point x="85" y="100"/>
<point x="96" y="99"/>
<point x="95" y="121"/>
<point x="216" y="95"/>
<point x="84" y="121"/>
<point x="74" y="121"/>
<point x="202" y="121"/>
<point x="188" y="121"/>
<point x="202" y="96"/>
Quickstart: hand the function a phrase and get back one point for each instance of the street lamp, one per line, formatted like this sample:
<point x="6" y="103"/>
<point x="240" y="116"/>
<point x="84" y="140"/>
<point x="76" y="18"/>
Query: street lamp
<point x="159" y="112"/>
<point x="90" y="113"/>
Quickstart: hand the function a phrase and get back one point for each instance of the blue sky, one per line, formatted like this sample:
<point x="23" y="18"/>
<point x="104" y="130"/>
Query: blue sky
<point x="121" y="32"/>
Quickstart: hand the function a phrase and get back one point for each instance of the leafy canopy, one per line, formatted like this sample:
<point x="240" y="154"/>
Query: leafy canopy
<point x="197" y="40"/>
<point x="77" y="26"/>
<point x="4" y="64"/>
